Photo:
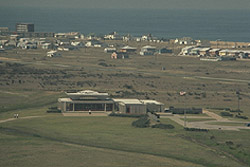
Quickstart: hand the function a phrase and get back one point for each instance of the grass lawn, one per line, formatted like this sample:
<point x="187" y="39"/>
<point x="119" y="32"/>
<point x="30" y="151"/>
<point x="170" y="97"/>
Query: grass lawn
<point x="109" y="133"/>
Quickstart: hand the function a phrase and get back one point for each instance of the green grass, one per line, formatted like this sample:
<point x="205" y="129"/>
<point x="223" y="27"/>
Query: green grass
<point x="30" y="151"/>
<point x="24" y="102"/>
<point x="29" y="89"/>
<point x="116" y="134"/>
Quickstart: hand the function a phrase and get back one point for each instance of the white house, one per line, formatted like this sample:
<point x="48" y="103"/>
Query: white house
<point x="109" y="50"/>
<point x="53" y="53"/>
<point x="186" y="50"/>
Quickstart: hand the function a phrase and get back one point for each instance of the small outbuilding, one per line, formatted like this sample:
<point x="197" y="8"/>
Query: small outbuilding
<point x="119" y="55"/>
<point x="130" y="106"/>
<point x="53" y="53"/>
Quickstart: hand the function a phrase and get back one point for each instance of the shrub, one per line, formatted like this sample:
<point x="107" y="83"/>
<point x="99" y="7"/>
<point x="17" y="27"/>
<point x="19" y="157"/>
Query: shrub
<point x="163" y="126"/>
<point x="125" y="115"/>
<point x="187" y="110"/>
<point x="103" y="64"/>
<point x="239" y="111"/>
<point x="128" y="86"/>
<point x="241" y="116"/>
<point x="53" y="110"/>
<point x="229" y="143"/>
<point x="196" y="129"/>
<point x="142" y="122"/>
<point x="226" y="114"/>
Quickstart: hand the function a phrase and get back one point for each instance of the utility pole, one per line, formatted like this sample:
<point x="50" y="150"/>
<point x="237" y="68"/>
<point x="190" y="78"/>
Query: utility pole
<point x="185" y="118"/>
<point x="238" y="95"/>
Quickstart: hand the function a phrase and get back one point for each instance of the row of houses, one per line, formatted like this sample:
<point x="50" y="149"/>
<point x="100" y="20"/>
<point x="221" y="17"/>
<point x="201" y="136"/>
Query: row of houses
<point x="214" y="52"/>
<point x="87" y="100"/>
<point x="126" y="50"/>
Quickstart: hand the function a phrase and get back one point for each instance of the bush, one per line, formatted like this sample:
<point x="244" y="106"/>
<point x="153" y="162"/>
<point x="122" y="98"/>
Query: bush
<point x="125" y="115"/>
<point x="187" y="110"/>
<point x="163" y="126"/>
<point x="53" y="110"/>
<point x="142" y="122"/>
<point x="226" y="114"/>
<point x="229" y="143"/>
<point x="225" y="109"/>
<point x="196" y="129"/>
<point x="239" y="111"/>
<point x="103" y="64"/>
<point x="241" y="116"/>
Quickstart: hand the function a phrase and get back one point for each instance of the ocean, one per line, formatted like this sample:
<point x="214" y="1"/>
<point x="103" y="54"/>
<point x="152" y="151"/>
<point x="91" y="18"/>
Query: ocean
<point x="228" y="25"/>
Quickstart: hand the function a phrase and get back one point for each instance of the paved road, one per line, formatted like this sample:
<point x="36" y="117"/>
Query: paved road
<point x="13" y="119"/>
<point x="205" y="124"/>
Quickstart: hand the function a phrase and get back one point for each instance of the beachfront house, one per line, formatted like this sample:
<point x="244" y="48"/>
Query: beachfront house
<point x="164" y="51"/>
<point x="119" y="55"/>
<point x="148" y="50"/>
<point x="110" y="50"/>
<point x="128" y="49"/>
<point x="204" y="51"/>
<point x="186" y="50"/>
<point x="223" y="52"/>
<point x="77" y="44"/>
<point x="94" y="43"/>
<point x="46" y="46"/>
<point x="53" y="53"/>
<point x="112" y="36"/>
<point x="214" y="52"/>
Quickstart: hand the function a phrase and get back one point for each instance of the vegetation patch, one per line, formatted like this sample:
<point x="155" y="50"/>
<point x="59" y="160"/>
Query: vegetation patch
<point x="142" y="122"/>
<point x="226" y="114"/>
<point x="196" y="129"/>
<point x="163" y="126"/>
<point x="241" y="116"/>
<point x="125" y="115"/>
<point x="53" y="110"/>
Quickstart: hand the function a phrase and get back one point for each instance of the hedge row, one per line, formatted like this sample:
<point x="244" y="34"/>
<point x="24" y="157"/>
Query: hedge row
<point x="196" y="129"/>
<point x="163" y="126"/>
<point x="53" y="110"/>
<point x="241" y="116"/>
<point x="125" y="115"/>
<point x="226" y="114"/>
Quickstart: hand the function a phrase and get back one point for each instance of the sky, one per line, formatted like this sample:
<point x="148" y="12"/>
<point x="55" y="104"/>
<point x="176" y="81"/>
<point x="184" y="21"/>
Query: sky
<point x="131" y="4"/>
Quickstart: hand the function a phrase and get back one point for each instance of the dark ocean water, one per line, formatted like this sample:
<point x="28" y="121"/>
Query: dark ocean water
<point x="230" y="25"/>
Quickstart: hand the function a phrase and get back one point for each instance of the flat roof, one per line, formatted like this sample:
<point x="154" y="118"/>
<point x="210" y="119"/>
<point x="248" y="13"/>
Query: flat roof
<point x="64" y="100"/>
<point x="88" y="93"/>
<point x="151" y="102"/>
<point x="204" y="49"/>
<point x="128" y="101"/>
<point x="214" y="50"/>
<point x="129" y="47"/>
<point x="148" y="47"/>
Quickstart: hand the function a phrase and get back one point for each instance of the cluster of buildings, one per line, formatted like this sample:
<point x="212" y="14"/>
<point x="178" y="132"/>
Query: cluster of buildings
<point x="125" y="51"/>
<point x="85" y="101"/>
<point x="215" y="54"/>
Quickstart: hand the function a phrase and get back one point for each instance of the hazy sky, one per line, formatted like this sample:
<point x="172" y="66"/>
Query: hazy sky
<point x="154" y="4"/>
